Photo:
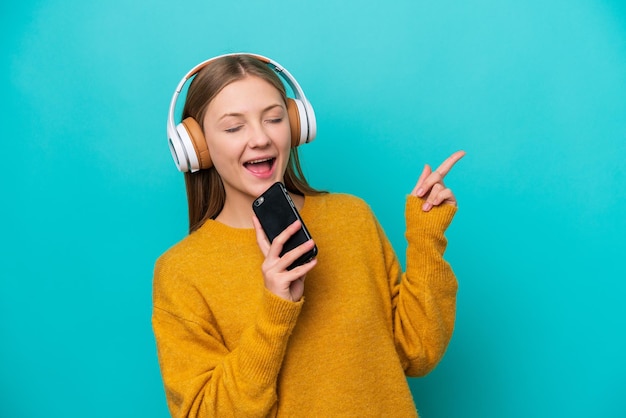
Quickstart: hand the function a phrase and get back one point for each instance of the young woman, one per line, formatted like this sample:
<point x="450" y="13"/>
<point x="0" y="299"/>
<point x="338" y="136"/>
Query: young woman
<point x="240" y="335"/>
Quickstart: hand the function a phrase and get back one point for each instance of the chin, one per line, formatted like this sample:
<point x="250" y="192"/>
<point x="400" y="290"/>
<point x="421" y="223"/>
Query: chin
<point x="266" y="184"/>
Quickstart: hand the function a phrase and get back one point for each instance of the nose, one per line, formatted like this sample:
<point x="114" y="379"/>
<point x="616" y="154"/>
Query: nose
<point x="258" y="136"/>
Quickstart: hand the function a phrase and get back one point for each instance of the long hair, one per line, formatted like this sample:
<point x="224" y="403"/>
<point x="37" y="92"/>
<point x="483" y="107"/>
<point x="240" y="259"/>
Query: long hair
<point x="205" y="190"/>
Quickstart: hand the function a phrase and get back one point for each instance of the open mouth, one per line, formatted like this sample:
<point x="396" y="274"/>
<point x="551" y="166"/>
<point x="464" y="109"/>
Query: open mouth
<point x="261" y="166"/>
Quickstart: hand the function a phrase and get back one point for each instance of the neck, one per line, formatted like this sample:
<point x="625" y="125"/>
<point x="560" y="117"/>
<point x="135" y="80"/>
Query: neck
<point x="239" y="214"/>
<point x="236" y="215"/>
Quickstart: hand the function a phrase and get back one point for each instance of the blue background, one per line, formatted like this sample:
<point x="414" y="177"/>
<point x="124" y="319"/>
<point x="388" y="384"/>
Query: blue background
<point x="534" y="91"/>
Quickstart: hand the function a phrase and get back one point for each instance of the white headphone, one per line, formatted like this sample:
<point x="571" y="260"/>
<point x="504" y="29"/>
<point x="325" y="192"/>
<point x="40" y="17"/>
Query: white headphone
<point x="187" y="142"/>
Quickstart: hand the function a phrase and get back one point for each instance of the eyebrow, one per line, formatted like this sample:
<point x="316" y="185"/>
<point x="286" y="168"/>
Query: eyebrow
<point x="236" y="114"/>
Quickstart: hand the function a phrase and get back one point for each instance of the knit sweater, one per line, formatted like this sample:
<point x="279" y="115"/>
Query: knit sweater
<point x="228" y="347"/>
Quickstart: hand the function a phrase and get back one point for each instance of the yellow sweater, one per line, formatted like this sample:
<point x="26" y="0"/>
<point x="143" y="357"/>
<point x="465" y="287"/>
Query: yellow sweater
<point x="227" y="347"/>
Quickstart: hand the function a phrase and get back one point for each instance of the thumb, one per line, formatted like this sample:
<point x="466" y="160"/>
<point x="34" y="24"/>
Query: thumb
<point x="425" y="173"/>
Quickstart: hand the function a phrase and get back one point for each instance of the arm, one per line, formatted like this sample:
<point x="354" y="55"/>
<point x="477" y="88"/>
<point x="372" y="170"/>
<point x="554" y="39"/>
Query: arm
<point x="424" y="298"/>
<point x="202" y="377"/>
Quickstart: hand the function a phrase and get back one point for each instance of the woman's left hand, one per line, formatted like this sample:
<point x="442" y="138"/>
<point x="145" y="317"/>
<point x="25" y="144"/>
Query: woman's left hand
<point x="430" y="184"/>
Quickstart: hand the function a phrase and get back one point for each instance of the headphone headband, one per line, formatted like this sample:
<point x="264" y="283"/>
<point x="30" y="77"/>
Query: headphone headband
<point x="184" y="147"/>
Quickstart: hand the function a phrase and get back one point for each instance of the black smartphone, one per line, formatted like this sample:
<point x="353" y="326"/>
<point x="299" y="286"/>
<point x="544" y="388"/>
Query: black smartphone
<point x="276" y="211"/>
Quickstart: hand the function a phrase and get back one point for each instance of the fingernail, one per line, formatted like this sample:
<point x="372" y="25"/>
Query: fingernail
<point x="427" y="206"/>
<point x="420" y="192"/>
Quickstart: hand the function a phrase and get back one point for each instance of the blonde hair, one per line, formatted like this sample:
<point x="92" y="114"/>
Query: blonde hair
<point x="205" y="190"/>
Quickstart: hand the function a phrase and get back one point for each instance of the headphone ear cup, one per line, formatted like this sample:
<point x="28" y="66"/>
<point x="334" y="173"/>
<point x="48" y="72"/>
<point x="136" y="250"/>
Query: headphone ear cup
<point x="176" y="148"/>
<point x="298" y="122"/>
<point x="195" y="144"/>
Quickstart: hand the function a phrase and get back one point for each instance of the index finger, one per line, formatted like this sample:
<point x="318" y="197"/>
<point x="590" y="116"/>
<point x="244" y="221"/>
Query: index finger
<point x="279" y="241"/>
<point x="447" y="165"/>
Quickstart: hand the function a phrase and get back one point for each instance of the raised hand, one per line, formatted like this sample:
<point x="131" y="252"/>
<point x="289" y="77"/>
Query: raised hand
<point x="430" y="184"/>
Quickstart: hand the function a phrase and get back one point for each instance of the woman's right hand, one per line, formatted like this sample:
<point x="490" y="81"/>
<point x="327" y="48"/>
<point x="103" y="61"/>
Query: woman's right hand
<point x="287" y="284"/>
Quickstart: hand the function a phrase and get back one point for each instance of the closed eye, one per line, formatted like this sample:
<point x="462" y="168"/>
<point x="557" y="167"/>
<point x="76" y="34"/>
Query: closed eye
<point x="233" y="129"/>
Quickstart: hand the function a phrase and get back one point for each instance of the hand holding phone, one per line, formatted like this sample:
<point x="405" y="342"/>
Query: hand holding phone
<point x="276" y="211"/>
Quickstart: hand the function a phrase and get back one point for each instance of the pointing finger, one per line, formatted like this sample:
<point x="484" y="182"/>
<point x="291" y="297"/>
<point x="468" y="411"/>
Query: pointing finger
<point x="438" y="175"/>
<point x="447" y="165"/>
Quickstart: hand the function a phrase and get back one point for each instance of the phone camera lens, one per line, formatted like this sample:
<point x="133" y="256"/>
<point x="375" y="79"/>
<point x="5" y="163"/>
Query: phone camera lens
<point x="259" y="201"/>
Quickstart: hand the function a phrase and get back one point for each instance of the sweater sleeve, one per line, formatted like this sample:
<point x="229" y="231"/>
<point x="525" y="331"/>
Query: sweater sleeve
<point x="202" y="377"/>
<point x="424" y="296"/>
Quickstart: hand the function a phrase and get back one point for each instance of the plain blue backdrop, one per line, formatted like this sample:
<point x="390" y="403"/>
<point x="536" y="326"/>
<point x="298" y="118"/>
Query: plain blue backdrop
<point x="534" y="91"/>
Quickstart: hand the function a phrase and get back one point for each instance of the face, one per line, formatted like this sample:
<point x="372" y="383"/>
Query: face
<point x="247" y="131"/>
